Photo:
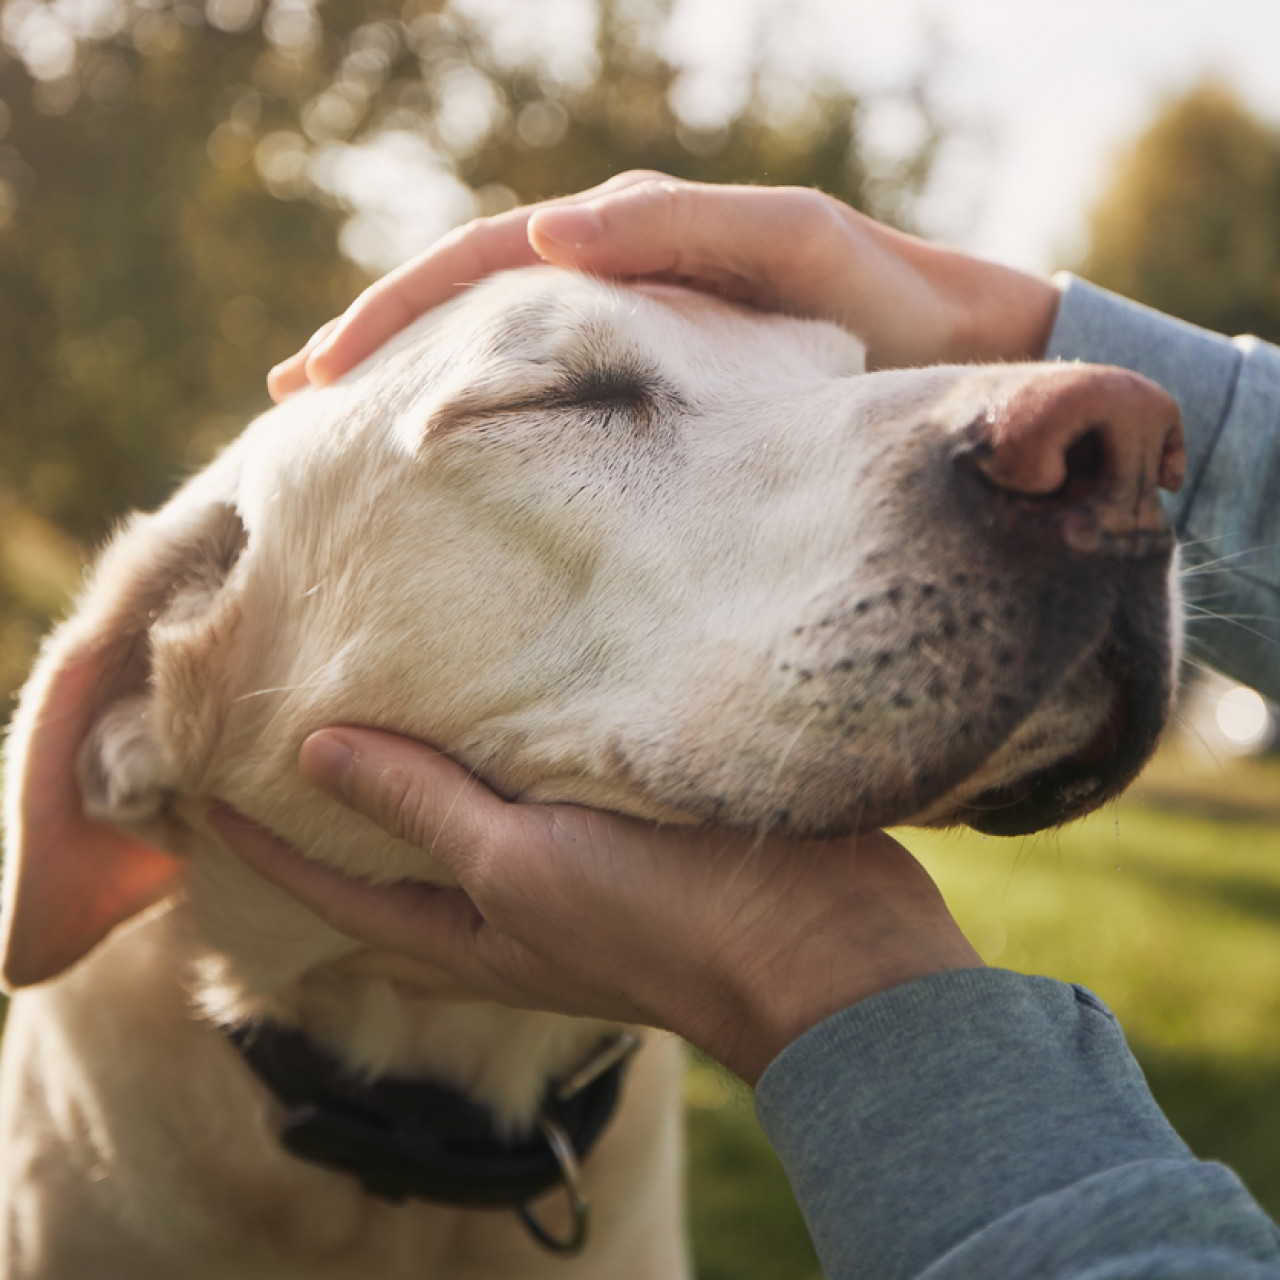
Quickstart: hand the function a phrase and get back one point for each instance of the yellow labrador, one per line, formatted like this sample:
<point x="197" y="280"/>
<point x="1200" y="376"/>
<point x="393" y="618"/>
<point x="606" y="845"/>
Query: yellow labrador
<point x="628" y="547"/>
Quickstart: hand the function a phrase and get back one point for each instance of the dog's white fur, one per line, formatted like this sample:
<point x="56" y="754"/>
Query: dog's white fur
<point x="626" y="547"/>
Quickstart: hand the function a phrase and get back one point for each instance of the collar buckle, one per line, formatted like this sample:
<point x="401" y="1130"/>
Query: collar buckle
<point x="405" y="1139"/>
<point x="612" y="1054"/>
<point x="571" y="1178"/>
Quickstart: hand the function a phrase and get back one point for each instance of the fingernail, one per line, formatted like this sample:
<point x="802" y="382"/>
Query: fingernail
<point x="571" y="225"/>
<point x="325" y="760"/>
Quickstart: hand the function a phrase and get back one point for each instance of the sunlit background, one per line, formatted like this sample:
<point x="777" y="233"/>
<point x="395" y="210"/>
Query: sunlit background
<point x="189" y="187"/>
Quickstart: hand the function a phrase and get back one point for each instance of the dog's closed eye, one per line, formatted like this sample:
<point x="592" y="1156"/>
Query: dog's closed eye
<point x="621" y="387"/>
<point x="623" y="392"/>
<point x="628" y="390"/>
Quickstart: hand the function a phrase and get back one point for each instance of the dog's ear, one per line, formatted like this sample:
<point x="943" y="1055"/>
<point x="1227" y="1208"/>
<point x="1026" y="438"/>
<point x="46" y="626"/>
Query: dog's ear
<point x="88" y="767"/>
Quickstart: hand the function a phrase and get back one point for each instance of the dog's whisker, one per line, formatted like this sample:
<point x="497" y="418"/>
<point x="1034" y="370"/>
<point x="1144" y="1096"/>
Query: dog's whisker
<point x="264" y="693"/>
<point x="1187" y="724"/>
<point x="1202" y="610"/>
<point x="1216" y="562"/>
<point x="768" y="819"/>
<point x="1235" y="620"/>
<point x="473" y="776"/>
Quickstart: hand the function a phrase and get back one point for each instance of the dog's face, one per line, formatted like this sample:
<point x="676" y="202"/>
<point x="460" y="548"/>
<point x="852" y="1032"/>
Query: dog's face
<point x="632" y="548"/>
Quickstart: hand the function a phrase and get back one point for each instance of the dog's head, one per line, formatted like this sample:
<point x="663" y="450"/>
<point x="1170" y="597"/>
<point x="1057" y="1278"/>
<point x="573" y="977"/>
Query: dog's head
<point x="629" y="547"/>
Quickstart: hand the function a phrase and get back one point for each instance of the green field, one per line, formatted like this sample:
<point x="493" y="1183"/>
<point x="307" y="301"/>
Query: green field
<point x="1167" y="905"/>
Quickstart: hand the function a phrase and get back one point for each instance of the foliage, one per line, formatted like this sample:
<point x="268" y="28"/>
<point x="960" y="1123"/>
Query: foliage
<point x="170" y="208"/>
<point x="1191" y="223"/>
<point x="177" y="178"/>
<point x="743" y="1220"/>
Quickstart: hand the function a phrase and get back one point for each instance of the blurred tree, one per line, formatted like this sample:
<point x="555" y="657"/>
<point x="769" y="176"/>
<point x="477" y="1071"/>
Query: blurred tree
<point x="177" y="182"/>
<point x="1191" y="223"/>
<point x="167" y="230"/>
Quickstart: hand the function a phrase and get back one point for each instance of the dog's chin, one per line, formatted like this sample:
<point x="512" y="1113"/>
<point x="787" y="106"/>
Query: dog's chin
<point x="1086" y="777"/>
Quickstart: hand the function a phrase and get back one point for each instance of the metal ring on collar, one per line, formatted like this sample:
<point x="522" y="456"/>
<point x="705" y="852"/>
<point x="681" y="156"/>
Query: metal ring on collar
<point x="571" y="1175"/>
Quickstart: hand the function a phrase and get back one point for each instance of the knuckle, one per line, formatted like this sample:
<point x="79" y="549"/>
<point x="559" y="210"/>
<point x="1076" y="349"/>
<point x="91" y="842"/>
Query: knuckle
<point x="670" y="195"/>
<point x="402" y="808"/>
<point x="812" y="212"/>
<point x="488" y="869"/>
<point x="817" y="233"/>
<point x="635" y="177"/>
<point x="472" y="230"/>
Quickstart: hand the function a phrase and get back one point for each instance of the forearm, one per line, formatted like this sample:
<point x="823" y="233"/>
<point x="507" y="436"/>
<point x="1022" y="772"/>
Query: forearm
<point x="1227" y="513"/>
<point x="983" y="1124"/>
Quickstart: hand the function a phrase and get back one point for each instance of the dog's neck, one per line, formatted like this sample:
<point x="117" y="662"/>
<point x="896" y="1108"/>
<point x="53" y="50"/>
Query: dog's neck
<point x="267" y="958"/>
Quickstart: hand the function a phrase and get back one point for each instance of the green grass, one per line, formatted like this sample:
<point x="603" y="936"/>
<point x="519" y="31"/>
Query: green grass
<point x="1167" y="905"/>
<point x="743" y="1219"/>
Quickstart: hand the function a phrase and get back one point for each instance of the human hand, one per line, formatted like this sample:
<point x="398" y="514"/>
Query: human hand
<point x="778" y="248"/>
<point x="739" y="944"/>
<point x="467" y="254"/>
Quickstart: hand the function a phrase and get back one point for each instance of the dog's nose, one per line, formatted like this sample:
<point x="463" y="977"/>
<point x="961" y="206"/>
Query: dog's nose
<point x="1093" y="443"/>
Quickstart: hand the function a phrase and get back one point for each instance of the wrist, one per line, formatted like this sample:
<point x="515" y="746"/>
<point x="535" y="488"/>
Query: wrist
<point x="763" y="1009"/>
<point x="1001" y="314"/>
<point x="931" y="304"/>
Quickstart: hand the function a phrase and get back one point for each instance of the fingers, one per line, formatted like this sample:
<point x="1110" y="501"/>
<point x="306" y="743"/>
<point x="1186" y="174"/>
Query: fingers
<point x="420" y="919"/>
<point x="291" y="375"/>
<point x="462" y="257"/>
<point x="386" y="307"/>
<point x="409" y="789"/>
<point x="777" y="248"/>
<point x="745" y="242"/>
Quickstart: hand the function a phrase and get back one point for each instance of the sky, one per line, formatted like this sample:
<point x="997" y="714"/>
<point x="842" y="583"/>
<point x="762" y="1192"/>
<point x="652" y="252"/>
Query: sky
<point x="1045" y="93"/>
<point x="1049" y="90"/>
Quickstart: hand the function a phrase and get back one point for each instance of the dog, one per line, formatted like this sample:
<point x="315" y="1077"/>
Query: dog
<point x="623" y="546"/>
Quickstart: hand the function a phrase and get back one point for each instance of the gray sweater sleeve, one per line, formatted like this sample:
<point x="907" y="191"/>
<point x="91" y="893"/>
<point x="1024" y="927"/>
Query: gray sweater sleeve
<point x="1228" y="512"/>
<point x="980" y="1125"/>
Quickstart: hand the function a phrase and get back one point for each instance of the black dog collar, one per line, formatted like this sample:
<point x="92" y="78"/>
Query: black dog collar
<point x="407" y="1138"/>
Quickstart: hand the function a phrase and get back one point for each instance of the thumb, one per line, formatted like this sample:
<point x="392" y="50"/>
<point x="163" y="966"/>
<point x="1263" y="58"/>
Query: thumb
<point x="409" y="789"/>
